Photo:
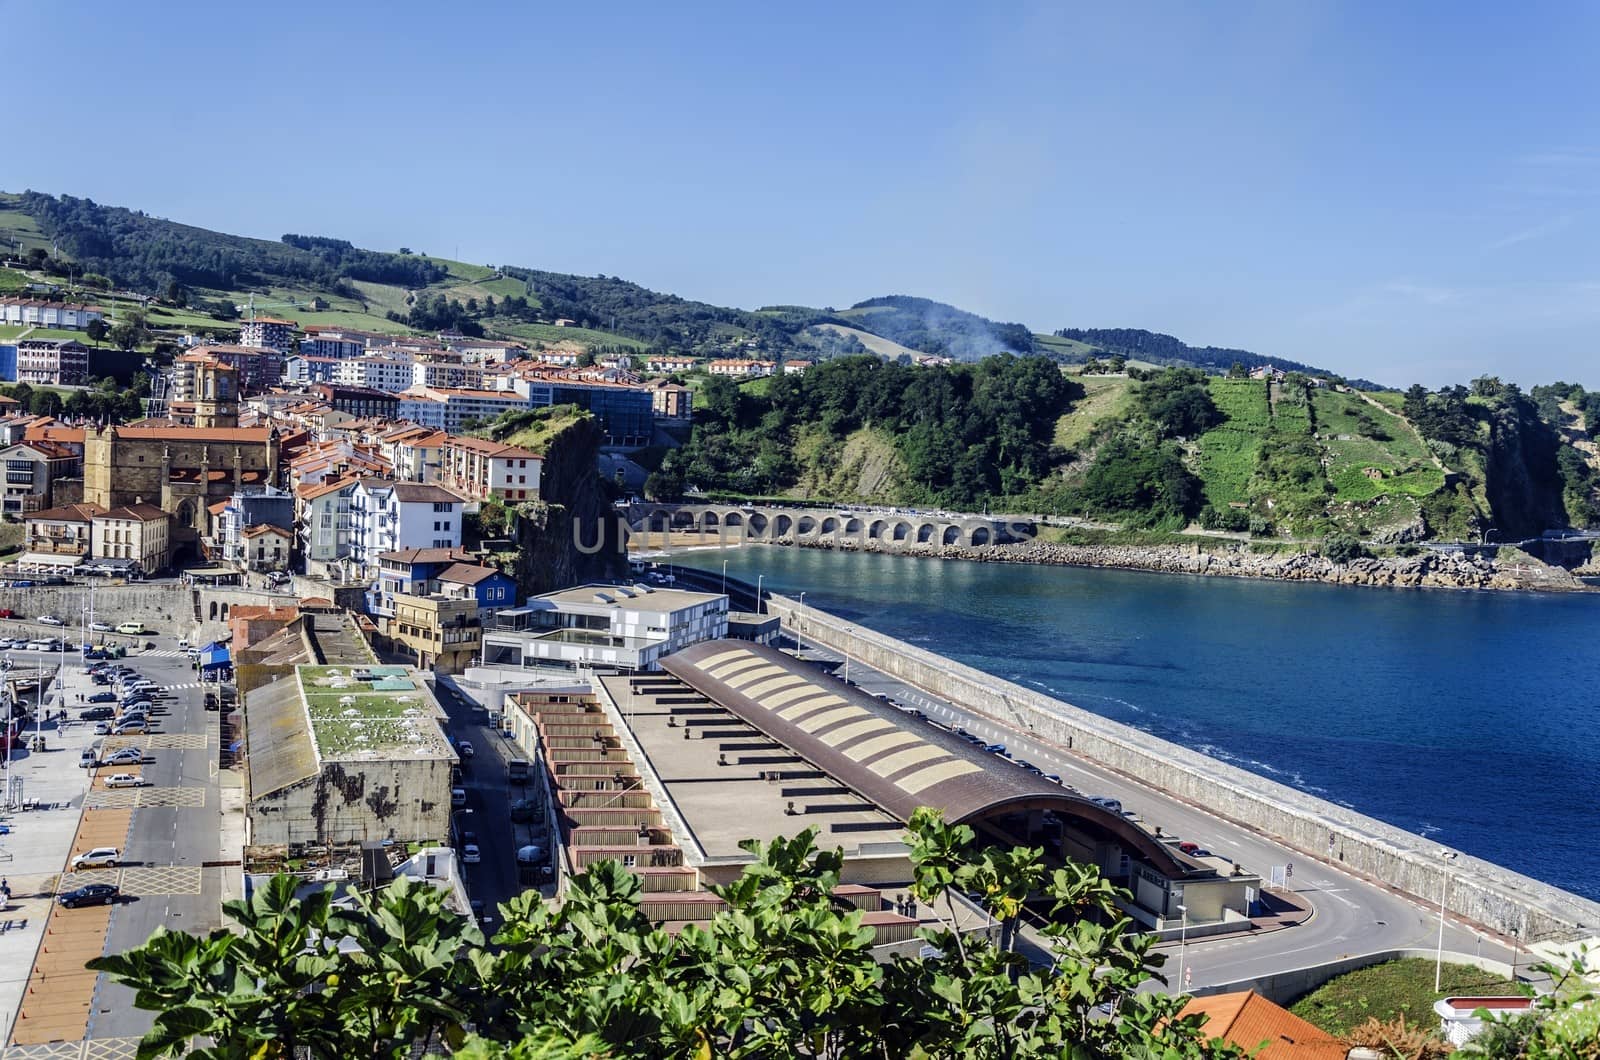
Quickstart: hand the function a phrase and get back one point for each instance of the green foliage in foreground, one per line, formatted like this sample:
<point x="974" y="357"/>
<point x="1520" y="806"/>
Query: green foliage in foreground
<point x="785" y="971"/>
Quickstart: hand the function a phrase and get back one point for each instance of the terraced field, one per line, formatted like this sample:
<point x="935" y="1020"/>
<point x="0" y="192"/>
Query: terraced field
<point x="1370" y="452"/>
<point x="1228" y="453"/>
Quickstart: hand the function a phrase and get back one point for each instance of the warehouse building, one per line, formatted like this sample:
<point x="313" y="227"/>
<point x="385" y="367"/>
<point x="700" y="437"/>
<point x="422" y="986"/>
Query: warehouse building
<point x="340" y="755"/>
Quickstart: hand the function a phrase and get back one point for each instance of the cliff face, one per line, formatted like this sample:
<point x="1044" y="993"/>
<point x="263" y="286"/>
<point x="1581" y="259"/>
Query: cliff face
<point x="1522" y="481"/>
<point x="573" y="534"/>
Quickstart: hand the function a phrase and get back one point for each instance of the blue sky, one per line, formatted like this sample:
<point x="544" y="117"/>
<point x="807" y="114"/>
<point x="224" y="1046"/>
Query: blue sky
<point x="1406" y="192"/>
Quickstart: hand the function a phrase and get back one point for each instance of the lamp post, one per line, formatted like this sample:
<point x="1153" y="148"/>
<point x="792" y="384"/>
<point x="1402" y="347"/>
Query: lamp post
<point x="724" y="577"/>
<point x="1444" y="889"/>
<point x="760" y="604"/>
<point x="1183" y="938"/>
<point x="799" y="641"/>
<point x="1516" y="952"/>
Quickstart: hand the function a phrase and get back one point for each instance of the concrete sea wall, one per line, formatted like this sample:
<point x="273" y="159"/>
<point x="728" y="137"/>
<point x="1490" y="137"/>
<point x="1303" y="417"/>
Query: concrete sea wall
<point x="1482" y="892"/>
<point x="166" y="607"/>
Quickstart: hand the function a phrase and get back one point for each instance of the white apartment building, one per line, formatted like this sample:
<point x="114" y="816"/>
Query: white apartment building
<point x="604" y="628"/>
<point x="270" y="332"/>
<point x="388" y="373"/>
<point x="323" y="517"/>
<point x="48" y="314"/>
<point x="448" y="409"/>
<point x="389" y="516"/>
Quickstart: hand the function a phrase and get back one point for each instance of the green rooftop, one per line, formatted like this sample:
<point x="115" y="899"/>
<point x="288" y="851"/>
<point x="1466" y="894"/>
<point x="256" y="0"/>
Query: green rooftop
<point x="372" y="712"/>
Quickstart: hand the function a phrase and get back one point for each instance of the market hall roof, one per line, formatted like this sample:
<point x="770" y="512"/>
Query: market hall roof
<point x="881" y="753"/>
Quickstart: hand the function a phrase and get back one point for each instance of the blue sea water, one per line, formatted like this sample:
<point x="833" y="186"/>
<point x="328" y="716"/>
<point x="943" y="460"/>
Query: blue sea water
<point x="1469" y="717"/>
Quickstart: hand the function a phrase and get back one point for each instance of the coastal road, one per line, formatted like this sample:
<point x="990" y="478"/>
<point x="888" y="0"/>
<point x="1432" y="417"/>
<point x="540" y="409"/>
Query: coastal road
<point x="1350" y="915"/>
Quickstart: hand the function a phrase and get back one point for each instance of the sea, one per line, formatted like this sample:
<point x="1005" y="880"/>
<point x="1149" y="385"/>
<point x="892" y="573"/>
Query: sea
<point x="1468" y="717"/>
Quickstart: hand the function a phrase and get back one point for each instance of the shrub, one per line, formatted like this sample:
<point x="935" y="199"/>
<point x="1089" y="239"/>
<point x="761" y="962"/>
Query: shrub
<point x="1342" y="548"/>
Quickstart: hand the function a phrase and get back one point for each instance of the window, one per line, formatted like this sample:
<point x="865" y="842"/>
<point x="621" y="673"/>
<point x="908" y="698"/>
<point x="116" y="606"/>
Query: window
<point x="522" y="478"/>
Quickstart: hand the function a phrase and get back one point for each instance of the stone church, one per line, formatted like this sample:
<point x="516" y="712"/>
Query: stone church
<point x="182" y="469"/>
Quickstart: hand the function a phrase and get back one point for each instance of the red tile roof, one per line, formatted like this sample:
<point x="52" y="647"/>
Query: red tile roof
<point x="66" y="513"/>
<point x="466" y="574"/>
<point x="1247" y="1019"/>
<point x="266" y="528"/>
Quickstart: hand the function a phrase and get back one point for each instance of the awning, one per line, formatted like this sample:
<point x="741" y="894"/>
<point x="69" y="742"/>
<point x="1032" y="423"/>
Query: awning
<point x="46" y="559"/>
<point x="213" y="655"/>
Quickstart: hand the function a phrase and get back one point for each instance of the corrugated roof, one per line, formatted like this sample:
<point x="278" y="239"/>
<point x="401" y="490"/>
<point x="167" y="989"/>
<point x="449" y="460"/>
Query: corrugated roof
<point x="880" y="753"/>
<point x="1247" y="1019"/>
<point x="277" y="737"/>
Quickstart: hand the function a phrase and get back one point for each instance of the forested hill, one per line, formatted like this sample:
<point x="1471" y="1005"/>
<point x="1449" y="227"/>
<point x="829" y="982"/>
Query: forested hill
<point x="1156" y="348"/>
<point x="211" y="272"/>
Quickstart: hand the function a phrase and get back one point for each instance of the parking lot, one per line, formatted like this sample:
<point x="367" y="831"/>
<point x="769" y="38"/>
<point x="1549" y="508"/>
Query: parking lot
<point x="161" y="812"/>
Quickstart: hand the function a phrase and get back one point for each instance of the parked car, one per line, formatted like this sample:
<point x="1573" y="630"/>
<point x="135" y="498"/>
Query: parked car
<point x="470" y="854"/>
<point x="97" y="714"/>
<point x="458" y="797"/>
<point x="124" y="780"/>
<point x="124" y="756"/>
<point x="98" y="858"/>
<point x="92" y="894"/>
<point x="132" y="628"/>
<point x="997" y="749"/>
<point x="6" y="612"/>
<point x="131" y="727"/>
<point x="103" y="697"/>
<point x="102" y="728"/>
<point x="89" y="758"/>
<point x="50" y="620"/>
<point x="466" y="749"/>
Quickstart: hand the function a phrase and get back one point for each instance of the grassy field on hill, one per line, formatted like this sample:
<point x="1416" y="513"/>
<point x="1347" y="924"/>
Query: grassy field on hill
<point x="1392" y="989"/>
<point x="1106" y="397"/>
<point x="1228" y="453"/>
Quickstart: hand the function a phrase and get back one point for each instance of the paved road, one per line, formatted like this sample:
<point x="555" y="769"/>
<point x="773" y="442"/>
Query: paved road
<point x="174" y="828"/>
<point x="1350" y="915"/>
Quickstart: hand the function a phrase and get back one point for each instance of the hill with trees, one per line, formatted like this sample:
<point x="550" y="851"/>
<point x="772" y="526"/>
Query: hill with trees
<point x="1155" y="348"/>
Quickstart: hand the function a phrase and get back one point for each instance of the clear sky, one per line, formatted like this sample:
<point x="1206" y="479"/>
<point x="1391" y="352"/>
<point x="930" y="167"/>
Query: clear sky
<point x="1402" y="191"/>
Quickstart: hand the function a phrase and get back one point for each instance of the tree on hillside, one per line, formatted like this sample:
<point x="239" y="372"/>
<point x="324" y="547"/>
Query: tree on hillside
<point x="785" y="971"/>
<point x="97" y="331"/>
<point x="130" y="330"/>
<point x="1178" y="401"/>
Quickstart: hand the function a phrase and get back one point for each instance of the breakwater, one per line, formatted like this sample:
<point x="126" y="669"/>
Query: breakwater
<point x="1481" y="891"/>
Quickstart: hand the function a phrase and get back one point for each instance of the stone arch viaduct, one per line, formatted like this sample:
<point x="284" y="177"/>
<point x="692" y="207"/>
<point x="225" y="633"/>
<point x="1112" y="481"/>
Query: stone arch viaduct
<point x="883" y="529"/>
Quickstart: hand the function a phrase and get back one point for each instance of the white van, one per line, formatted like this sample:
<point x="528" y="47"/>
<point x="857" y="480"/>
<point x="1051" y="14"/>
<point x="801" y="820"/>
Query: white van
<point x="133" y="628"/>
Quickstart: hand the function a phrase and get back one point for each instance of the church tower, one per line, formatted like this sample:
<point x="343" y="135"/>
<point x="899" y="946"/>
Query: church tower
<point x="216" y="395"/>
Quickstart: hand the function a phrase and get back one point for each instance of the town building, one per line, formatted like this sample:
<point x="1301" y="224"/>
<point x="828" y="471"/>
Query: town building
<point x="673" y="405"/>
<point x="560" y="358"/>
<point x="388" y="516"/>
<point x="620" y="403"/>
<point x="415" y="453"/>
<point x="451" y="409"/>
<point x="33" y="469"/>
<point x="248" y="508"/>
<point x="324" y="524"/>
<point x="60" y="537"/>
<point x="305" y="369"/>
<point x="670" y="364"/>
<point x="479" y="469"/>
<point x="411" y="571"/>
<point x="448" y="374"/>
<point x="52" y="362"/>
<point x="389" y="372"/>
<point x="266" y="547"/>
<point x="444" y="634"/>
<point x="795" y="367"/>
<point x="738" y="368"/>
<point x="271" y="332"/>
<point x="604" y="628"/>
<point x="260" y="368"/>
<point x="137" y="533"/>
<point x="494" y="590"/>
<point x="359" y="401"/>
<point x="41" y="314"/>
<point x="335" y="343"/>
<point x="340" y="755"/>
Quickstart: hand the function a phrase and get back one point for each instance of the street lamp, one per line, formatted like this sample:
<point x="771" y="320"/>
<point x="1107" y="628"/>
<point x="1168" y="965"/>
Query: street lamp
<point x="1183" y="938"/>
<point x="1444" y="888"/>
<point x="760" y="604"/>
<point x="799" y="640"/>
<point x="724" y="577"/>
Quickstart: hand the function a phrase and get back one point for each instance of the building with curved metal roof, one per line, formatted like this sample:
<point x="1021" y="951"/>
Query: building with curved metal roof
<point x="897" y="762"/>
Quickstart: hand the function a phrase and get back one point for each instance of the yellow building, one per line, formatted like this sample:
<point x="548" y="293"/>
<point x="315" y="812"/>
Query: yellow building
<point x="443" y="633"/>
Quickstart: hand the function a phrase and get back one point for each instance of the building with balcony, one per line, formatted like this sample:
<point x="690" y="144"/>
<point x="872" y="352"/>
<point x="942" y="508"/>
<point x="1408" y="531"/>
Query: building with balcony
<point x="604" y="628"/>
<point x="358" y="401"/>
<point x="307" y="368"/>
<point x="60" y="537"/>
<point x="31" y="470"/>
<point x="266" y="547"/>
<point x="442" y="633"/>
<point x="52" y="362"/>
<point x="260" y="368"/>
<point x="449" y="409"/>
<point x="40" y="314"/>
<point x="246" y="509"/>
<point x="480" y="469"/>
<point x="324" y="523"/>
<point x="139" y="533"/>
<point x="270" y="332"/>
<point x="389" y="372"/>
<point x="388" y="516"/>
<point x="410" y="571"/>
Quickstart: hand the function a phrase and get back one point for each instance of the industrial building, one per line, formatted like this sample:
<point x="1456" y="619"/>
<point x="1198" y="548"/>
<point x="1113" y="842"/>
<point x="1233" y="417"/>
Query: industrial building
<point x="340" y="755"/>
<point x="740" y="740"/>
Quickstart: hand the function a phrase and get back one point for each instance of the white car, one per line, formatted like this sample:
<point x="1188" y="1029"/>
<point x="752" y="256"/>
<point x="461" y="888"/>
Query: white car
<point x="100" y="627"/>
<point x="124" y="780"/>
<point x="98" y="858"/>
<point x="183" y="642"/>
<point x="51" y="620"/>
<point x="470" y="854"/>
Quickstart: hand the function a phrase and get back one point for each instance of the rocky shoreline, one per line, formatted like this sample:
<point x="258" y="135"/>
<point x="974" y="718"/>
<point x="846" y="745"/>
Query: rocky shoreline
<point x="1429" y="570"/>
